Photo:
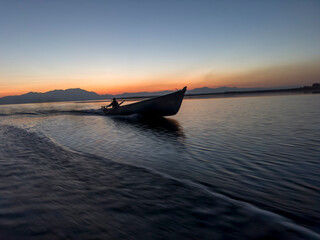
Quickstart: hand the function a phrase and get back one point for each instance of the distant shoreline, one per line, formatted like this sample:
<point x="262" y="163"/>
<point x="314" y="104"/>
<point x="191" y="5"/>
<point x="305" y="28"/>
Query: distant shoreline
<point x="257" y="93"/>
<point x="314" y="89"/>
<point x="215" y="95"/>
<point x="293" y="91"/>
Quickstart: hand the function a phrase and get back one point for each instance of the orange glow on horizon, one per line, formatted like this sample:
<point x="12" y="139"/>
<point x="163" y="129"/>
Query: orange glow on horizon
<point x="276" y="76"/>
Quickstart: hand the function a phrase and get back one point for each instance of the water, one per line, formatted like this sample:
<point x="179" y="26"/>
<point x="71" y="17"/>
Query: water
<point x="228" y="168"/>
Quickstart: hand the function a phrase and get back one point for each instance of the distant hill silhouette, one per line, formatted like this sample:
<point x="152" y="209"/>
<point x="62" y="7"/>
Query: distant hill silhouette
<point x="77" y="94"/>
<point x="74" y="94"/>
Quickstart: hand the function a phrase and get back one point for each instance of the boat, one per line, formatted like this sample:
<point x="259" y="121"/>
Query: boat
<point x="166" y="105"/>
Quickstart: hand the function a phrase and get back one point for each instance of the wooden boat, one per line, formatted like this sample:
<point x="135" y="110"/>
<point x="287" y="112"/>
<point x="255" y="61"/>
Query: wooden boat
<point x="166" y="105"/>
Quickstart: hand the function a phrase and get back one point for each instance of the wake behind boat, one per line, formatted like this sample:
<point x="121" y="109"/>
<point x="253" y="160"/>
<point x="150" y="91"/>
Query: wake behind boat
<point x="166" y="105"/>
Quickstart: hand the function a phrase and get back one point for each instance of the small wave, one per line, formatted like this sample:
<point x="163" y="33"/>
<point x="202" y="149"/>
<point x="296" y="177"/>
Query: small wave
<point x="134" y="116"/>
<point x="18" y="113"/>
<point x="54" y="112"/>
<point x="75" y="112"/>
<point x="48" y="190"/>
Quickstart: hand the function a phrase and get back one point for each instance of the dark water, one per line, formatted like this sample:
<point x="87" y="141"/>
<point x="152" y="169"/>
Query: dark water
<point x="235" y="168"/>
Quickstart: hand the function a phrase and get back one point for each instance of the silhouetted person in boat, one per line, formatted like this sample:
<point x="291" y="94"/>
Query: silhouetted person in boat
<point x="114" y="103"/>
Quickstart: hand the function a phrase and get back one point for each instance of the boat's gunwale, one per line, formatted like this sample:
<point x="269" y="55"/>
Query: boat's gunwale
<point x="153" y="98"/>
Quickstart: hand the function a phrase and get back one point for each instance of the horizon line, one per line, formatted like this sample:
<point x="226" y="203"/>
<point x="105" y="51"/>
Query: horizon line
<point x="277" y="87"/>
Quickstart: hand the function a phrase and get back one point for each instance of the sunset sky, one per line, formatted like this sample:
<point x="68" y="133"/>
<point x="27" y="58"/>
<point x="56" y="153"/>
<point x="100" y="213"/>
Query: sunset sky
<point x="128" y="46"/>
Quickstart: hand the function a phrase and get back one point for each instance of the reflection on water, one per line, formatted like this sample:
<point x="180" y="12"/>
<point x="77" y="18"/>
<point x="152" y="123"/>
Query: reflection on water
<point x="166" y="126"/>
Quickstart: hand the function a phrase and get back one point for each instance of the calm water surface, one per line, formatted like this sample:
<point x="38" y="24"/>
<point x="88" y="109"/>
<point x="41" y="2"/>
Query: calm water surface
<point x="231" y="168"/>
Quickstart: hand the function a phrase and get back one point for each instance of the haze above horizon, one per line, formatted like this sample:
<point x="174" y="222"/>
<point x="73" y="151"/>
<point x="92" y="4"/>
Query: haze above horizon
<point x="131" y="46"/>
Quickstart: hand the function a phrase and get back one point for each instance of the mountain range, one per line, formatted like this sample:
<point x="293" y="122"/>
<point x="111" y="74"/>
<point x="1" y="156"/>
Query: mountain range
<point x="77" y="94"/>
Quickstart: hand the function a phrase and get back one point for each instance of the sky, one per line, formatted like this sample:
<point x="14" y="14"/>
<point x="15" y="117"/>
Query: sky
<point x="128" y="46"/>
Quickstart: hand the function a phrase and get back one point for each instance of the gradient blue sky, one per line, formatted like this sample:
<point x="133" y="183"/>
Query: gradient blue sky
<point x="117" y="46"/>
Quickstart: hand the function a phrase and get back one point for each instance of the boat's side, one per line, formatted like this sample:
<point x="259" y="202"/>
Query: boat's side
<point x="160" y="106"/>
